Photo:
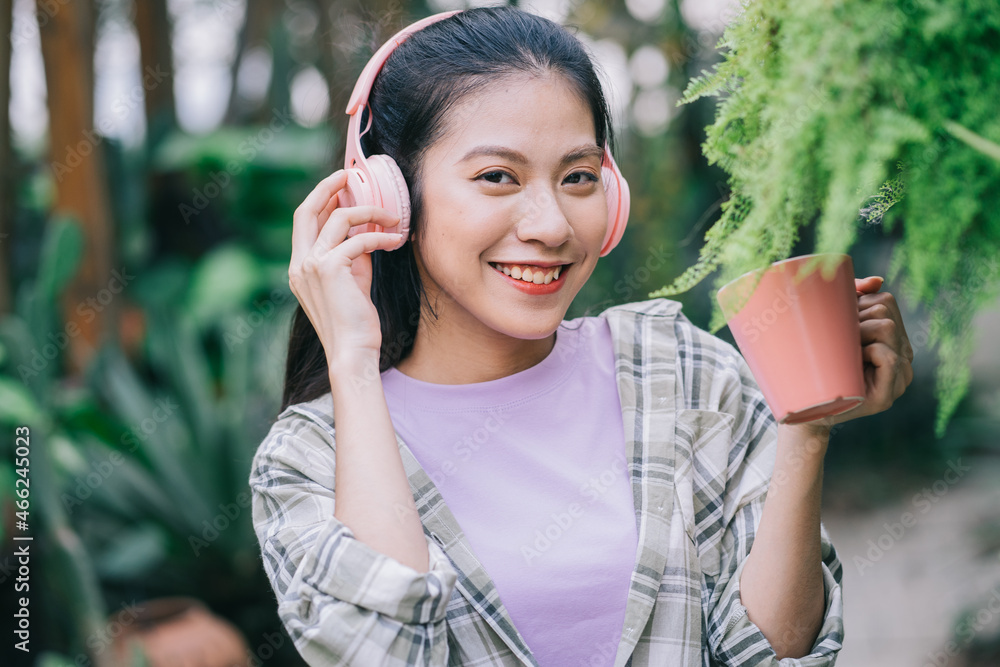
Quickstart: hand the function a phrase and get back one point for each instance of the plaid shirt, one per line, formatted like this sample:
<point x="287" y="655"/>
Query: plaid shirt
<point x="701" y="442"/>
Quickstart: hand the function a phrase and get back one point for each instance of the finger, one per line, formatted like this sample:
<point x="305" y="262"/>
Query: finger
<point x="879" y="325"/>
<point x="869" y="284"/>
<point x="885" y="362"/>
<point x="335" y="231"/>
<point x="358" y="245"/>
<point x="330" y="208"/>
<point x="866" y="300"/>
<point x="876" y="311"/>
<point x="305" y="221"/>
<point x="879" y="330"/>
<point x="889" y="307"/>
<point x="884" y="306"/>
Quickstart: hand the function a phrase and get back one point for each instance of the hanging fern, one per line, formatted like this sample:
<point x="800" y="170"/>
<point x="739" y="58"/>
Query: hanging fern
<point x="863" y="112"/>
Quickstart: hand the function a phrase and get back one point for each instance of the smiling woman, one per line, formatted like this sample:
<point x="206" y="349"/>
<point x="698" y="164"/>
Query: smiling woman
<point x="458" y="475"/>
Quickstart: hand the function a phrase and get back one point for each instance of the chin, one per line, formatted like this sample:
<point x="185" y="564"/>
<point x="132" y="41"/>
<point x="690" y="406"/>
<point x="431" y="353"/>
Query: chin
<point x="543" y="327"/>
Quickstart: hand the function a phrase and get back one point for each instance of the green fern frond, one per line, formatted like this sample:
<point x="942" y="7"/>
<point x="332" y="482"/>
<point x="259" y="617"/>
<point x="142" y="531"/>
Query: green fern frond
<point x="888" y="195"/>
<point x="708" y="84"/>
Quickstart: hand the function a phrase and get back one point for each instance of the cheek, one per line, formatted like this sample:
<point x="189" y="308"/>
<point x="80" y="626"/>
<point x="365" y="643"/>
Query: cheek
<point x="453" y="256"/>
<point x="466" y="232"/>
<point x="593" y="219"/>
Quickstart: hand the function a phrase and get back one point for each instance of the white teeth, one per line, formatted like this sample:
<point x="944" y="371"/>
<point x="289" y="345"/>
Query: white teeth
<point x="538" y="276"/>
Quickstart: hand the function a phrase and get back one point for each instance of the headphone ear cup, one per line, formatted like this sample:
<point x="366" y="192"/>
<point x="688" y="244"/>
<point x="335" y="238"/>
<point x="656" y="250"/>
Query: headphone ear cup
<point x="616" y="190"/>
<point x="393" y="194"/>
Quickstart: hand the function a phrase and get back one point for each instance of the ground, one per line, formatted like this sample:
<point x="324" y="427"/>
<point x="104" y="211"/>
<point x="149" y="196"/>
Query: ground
<point x="906" y="586"/>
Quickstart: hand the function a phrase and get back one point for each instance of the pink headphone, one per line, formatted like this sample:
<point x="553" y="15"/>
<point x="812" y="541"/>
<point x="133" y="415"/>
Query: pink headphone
<point x="376" y="179"/>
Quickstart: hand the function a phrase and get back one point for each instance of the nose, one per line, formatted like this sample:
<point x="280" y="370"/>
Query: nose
<point x="543" y="219"/>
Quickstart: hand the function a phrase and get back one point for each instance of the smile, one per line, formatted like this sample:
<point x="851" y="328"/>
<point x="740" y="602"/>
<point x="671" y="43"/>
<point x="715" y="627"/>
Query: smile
<point x="533" y="279"/>
<point x="530" y="274"/>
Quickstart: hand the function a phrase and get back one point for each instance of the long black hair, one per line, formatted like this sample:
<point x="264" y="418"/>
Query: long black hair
<point x="433" y="69"/>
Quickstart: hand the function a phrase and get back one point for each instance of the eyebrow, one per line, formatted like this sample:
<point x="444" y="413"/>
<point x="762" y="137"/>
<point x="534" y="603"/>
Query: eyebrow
<point x="515" y="156"/>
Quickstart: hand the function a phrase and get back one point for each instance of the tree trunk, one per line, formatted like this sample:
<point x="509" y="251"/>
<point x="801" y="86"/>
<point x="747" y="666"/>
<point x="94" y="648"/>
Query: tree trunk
<point x="153" y="25"/>
<point x="282" y="64"/>
<point x="75" y="156"/>
<point x="259" y="19"/>
<point x="328" y="63"/>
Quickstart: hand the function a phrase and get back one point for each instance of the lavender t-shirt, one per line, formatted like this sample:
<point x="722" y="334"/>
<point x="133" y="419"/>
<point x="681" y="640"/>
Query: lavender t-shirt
<point x="533" y="467"/>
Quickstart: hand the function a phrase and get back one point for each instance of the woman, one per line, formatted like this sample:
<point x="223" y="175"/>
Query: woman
<point x="504" y="487"/>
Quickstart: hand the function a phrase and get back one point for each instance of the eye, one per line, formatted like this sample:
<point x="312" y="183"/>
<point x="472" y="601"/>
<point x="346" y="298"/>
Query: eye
<point x="495" y="174"/>
<point x="586" y="174"/>
<point x="496" y="177"/>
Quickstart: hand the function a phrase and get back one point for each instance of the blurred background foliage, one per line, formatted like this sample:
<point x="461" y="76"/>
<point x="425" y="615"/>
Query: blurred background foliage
<point x="144" y="305"/>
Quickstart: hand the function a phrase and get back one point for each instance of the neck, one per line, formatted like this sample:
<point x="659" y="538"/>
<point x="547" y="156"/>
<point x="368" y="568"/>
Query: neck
<point x="455" y="355"/>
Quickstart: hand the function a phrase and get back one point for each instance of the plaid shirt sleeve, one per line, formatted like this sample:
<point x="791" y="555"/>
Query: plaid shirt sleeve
<point x="342" y="602"/>
<point x="748" y="430"/>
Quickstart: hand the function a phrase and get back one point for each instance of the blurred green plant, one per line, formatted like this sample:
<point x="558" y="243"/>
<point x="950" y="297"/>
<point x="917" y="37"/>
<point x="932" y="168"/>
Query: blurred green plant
<point x="820" y="104"/>
<point x="148" y="459"/>
<point x="39" y="403"/>
<point x="252" y="177"/>
<point x="149" y="452"/>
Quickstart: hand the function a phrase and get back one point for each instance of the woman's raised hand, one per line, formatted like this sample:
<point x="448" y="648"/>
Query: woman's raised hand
<point x="331" y="274"/>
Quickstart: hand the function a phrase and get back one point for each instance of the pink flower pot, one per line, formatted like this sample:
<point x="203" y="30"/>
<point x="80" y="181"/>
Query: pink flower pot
<point x="801" y="337"/>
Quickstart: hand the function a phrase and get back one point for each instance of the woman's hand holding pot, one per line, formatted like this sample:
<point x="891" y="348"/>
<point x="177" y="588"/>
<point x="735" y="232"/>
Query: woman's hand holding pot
<point x="886" y="352"/>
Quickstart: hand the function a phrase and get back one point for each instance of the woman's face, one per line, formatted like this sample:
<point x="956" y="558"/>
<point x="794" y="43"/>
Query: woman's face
<point x="515" y="179"/>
